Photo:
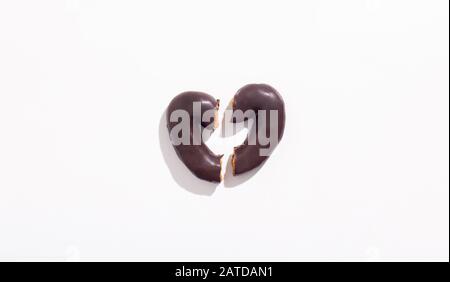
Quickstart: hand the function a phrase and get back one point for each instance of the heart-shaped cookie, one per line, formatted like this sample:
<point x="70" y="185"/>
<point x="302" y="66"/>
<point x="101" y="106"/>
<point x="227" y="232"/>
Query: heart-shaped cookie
<point x="190" y="113"/>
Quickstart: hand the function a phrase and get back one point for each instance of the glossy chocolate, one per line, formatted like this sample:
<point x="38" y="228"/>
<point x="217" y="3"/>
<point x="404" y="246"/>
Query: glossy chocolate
<point x="256" y="97"/>
<point x="199" y="159"/>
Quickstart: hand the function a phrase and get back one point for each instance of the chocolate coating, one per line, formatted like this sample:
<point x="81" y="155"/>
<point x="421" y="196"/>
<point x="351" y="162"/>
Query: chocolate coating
<point x="199" y="159"/>
<point x="256" y="97"/>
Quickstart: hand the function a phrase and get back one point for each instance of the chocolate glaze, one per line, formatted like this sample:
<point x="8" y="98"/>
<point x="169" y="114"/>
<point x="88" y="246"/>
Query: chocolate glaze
<point x="199" y="159"/>
<point x="256" y="97"/>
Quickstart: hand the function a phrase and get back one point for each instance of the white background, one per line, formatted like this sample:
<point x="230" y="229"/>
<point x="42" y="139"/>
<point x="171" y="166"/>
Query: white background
<point x="86" y="171"/>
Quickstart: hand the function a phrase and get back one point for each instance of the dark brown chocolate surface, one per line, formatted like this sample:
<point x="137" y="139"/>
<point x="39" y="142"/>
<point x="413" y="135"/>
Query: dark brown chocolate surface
<point x="199" y="159"/>
<point x="256" y="97"/>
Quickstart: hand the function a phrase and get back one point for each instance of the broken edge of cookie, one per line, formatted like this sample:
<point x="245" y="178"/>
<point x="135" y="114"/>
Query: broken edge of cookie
<point x="216" y="115"/>
<point x="216" y="125"/>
